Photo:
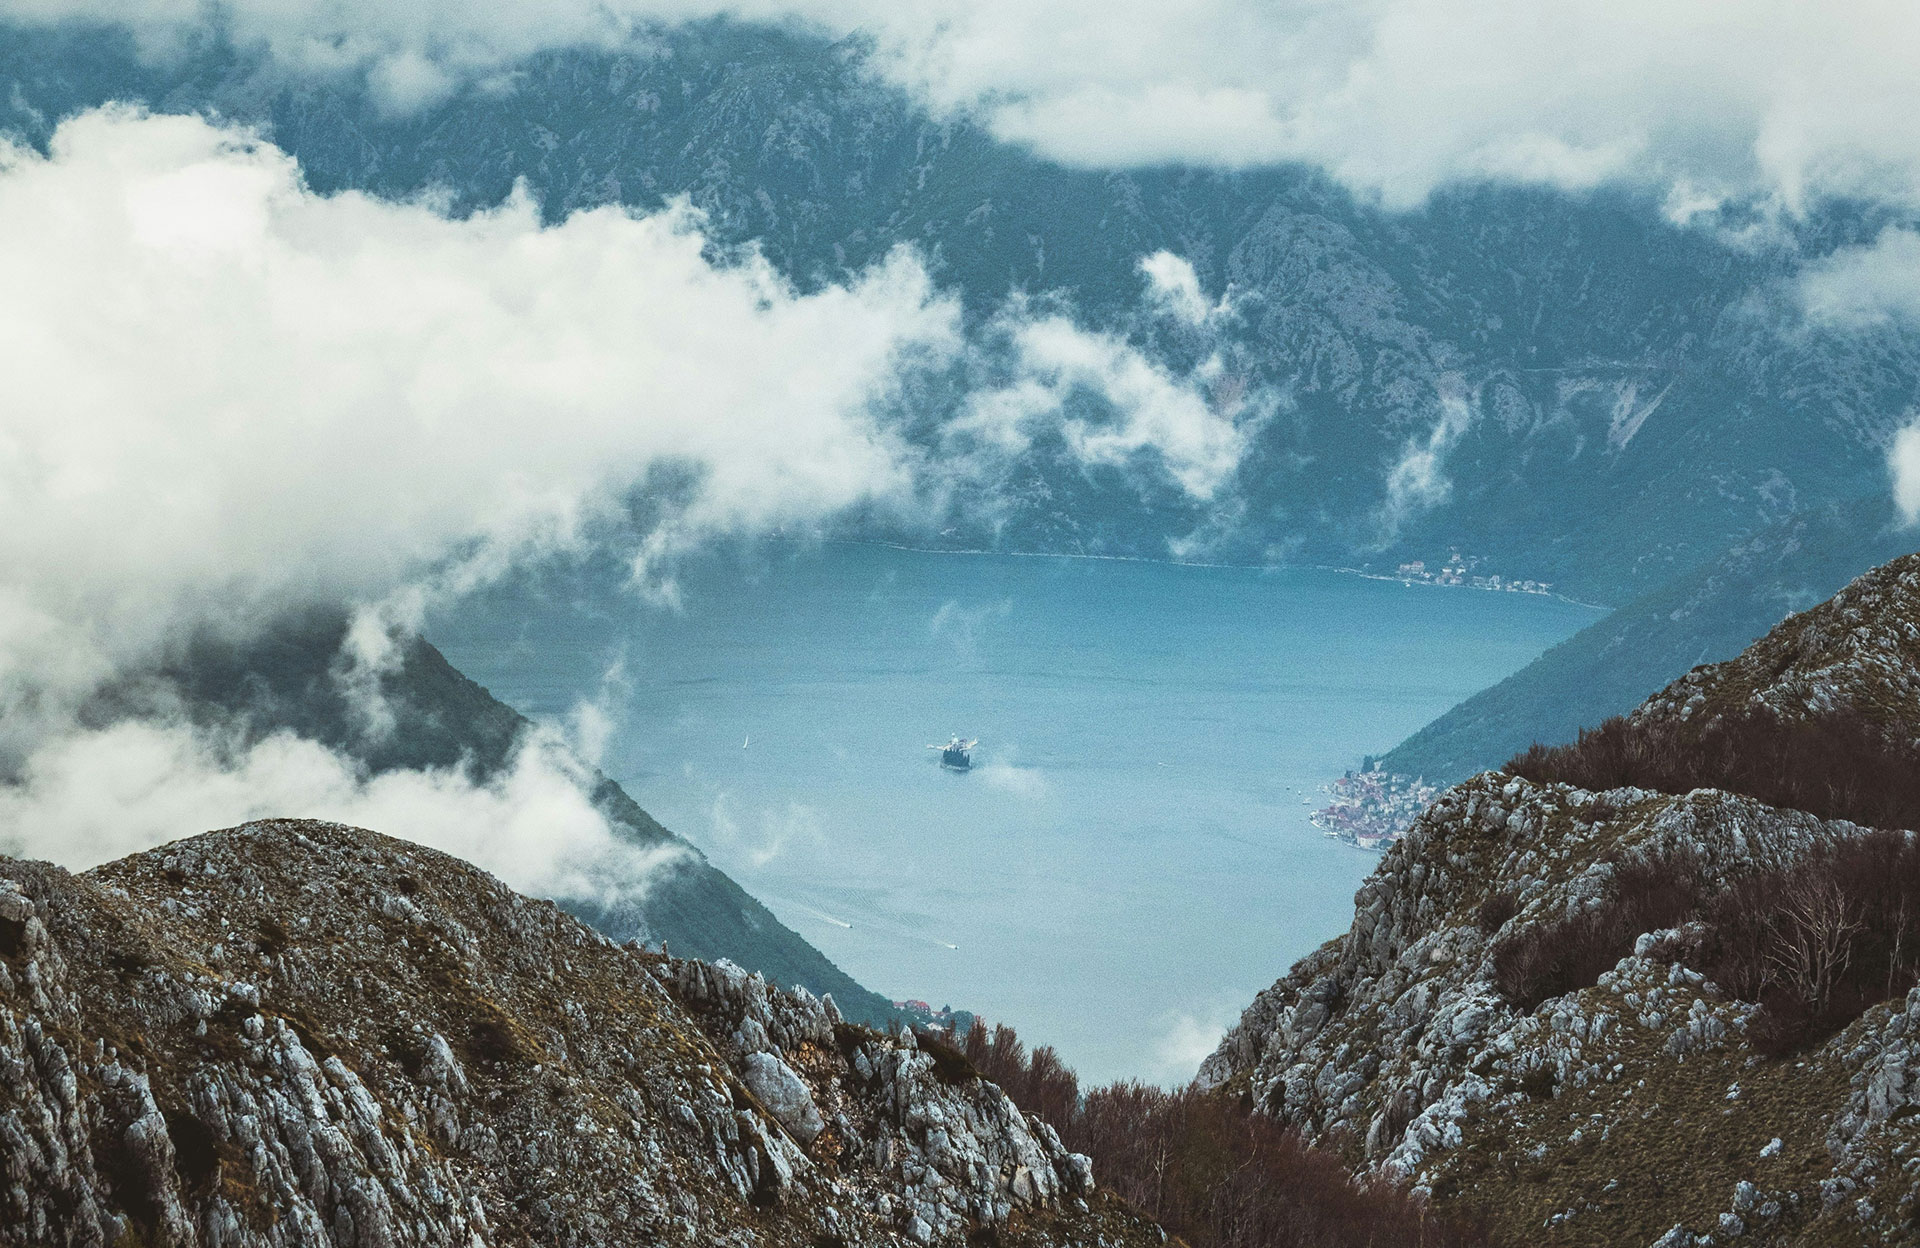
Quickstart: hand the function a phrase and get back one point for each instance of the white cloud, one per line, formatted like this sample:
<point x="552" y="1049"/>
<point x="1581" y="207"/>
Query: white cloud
<point x="1173" y="288"/>
<point x="1418" y="479"/>
<point x="1870" y="284"/>
<point x="222" y="395"/>
<point x="1185" y="1041"/>
<point x="774" y="831"/>
<point x="1192" y="426"/>
<point x="1721" y="97"/>
<point x="1903" y="460"/>
<point x="93" y="796"/>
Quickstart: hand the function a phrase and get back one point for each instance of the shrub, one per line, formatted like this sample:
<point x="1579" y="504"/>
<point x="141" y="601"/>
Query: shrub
<point x="1496" y="909"/>
<point x="1551" y="959"/>
<point x="1206" y="1166"/>
<point x="1819" y="943"/>
<point x="1837" y="765"/>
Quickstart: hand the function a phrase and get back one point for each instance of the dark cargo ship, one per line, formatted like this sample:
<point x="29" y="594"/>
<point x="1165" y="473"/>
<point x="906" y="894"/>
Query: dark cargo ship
<point x="956" y="753"/>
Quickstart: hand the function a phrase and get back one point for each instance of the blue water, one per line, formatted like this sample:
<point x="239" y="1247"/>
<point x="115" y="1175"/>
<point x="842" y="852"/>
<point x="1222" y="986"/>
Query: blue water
<point x="1130" y="860"/>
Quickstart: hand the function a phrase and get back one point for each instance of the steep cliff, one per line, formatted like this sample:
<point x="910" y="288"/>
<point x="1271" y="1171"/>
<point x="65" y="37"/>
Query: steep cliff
<point x="1540" y="1014"/>
<point x="300" y="1033"/>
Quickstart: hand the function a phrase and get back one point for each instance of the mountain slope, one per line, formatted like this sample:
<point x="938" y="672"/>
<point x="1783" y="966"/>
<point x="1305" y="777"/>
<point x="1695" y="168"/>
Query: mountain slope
<point x="299" y="1033"/>
<point x="1576" y="1010"/>
<point x="1704" y="616"/>
<point x="287" y="680"/>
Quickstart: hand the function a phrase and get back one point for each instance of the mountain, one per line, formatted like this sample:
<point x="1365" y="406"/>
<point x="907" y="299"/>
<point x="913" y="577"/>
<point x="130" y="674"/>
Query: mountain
<point x="1706" y="615"/>
<point x="285" y="680"/>
<point x="300" y="1033"/>
<point x="1569" y="388"/>
<point x="1654" y="987"/>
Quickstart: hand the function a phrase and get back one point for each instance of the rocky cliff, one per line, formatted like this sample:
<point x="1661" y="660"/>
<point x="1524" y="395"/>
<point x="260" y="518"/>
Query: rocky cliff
<point x="300" y="1033"/>
<point x="1524" y="1018"/>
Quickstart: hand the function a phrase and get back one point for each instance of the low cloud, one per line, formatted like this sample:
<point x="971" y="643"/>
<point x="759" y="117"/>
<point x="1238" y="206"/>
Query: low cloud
<point x="1706" y="101"/>
<point x="1112" y="403"/>
<point x="1903" y="461"/>
<point x="1185" y="1041"/>
<point x="760" y="837"/>
<point x="1418" y="479"/>
<point x="226" y="396"/>
<point x="1874" y="284"/>
<point x="93" y="796"/>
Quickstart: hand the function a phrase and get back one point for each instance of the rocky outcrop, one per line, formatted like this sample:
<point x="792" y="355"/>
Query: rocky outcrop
<point x="1610" y="1114"/>
<point x="1633" y="1107"/>
<point x="1857" y="654"/>
<point x="932" y="1143"/>
<point x="299" y="1033"/>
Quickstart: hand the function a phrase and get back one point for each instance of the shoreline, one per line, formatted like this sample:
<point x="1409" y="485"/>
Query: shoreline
<point x="1362" y="573"/>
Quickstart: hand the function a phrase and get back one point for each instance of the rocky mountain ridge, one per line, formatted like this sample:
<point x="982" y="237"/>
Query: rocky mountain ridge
<point x="300" y="1033"/>
<point x="1519" y="1020"/>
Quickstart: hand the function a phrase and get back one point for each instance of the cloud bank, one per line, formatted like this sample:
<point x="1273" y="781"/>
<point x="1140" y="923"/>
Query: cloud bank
<point x="90" y="797"/>
<point x="1702" y="100"/>
<point x="225" y="396"/>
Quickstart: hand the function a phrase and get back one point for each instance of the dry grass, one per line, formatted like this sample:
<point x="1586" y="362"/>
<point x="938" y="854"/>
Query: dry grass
<point x="1205" y="1165"/>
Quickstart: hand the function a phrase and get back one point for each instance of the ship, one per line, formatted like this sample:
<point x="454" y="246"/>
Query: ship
<point x="956" y="753"/>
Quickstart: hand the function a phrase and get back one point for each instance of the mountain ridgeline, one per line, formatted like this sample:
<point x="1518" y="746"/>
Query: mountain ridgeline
<point x="1704" y="616"/>
<point x="299" y="1033"/>
<point x="1659" y="986"/>
<point x="286" y="680"/>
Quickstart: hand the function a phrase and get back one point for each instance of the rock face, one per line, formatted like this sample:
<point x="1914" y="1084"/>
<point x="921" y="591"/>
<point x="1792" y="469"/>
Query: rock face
<point x="1634" y="1110"/>
<point x="299" y="1033"/>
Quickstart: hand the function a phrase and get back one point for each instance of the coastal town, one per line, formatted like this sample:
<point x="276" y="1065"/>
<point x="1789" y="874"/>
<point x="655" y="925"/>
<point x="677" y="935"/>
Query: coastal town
<point x="1458" y="570"/>
<point x="1372" y="808"/>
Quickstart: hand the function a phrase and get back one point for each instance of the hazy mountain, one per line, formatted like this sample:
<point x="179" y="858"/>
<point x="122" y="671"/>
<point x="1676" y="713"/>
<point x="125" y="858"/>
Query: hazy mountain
<point x="1703" y="616"/>
<point x="1569" y="388"/>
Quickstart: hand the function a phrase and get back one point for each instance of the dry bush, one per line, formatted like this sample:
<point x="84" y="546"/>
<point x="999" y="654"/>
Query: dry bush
<point x="1818" y="943"/>
<point x="1549" y="960"/>
<point x="1207" y="1167"/>
<point x="1838" y="765"/>
<point x="1495" y="909"/>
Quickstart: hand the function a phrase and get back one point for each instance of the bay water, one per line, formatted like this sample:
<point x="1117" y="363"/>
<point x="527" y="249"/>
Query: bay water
<point x="1130" y="858"/>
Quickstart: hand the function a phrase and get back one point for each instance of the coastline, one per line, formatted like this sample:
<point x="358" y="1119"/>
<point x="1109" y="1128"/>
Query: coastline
<point x="1362" y="573"/>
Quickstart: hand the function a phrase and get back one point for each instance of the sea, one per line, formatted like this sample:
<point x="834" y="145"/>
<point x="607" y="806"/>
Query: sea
<point x="1129" y="860"/>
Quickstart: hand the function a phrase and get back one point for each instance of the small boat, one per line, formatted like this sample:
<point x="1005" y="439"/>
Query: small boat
<point x="956" y="753"/>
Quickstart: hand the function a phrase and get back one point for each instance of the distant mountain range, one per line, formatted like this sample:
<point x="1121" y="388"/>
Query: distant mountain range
<point x="1703" y="616"/>
<point x="1565" y="388"/>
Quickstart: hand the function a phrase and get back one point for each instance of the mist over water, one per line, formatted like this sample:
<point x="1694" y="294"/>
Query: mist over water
<point x="1130" y="859"/>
